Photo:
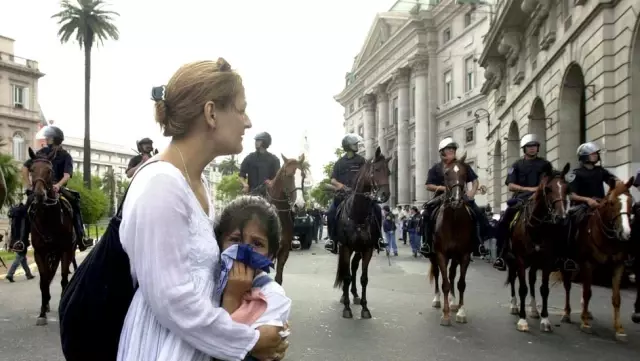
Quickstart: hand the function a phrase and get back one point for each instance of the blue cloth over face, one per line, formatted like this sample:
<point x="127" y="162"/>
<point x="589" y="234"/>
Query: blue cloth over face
<point x="242" y="253"/>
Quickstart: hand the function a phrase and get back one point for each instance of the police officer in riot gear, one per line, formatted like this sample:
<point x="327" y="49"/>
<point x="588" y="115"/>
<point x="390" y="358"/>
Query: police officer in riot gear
<point x="259" y="168"/>
<point x="435" y="183"/>
<point x="523" y="179"/>
<point x="145" y="150"/>
<point x="586" y="189"/>
<point x="62" y="165"/>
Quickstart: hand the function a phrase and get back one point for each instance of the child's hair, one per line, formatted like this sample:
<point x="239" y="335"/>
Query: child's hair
<point x="244" y="209"/>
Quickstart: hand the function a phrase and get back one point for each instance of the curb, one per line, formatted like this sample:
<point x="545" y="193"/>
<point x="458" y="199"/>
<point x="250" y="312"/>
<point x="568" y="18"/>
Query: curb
<point x="32" y="266"/>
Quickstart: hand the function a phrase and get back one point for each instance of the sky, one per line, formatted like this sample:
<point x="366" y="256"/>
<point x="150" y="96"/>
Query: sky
<point x="292" y="55"/>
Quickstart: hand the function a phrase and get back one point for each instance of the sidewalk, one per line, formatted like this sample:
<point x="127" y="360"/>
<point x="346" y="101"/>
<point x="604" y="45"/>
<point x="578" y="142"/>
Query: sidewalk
<point x="32" y="265"/>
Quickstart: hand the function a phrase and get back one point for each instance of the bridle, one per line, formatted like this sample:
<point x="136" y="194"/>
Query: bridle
<point x="288" y="193"/>
<point x="368" y="174"/>
<point x="615" y="231"/>
<point x="46" y="183"/>
<point x="550" y="216"/>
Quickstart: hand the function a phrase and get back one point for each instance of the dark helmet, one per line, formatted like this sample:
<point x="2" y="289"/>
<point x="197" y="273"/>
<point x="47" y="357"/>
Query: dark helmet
<point x="143" y="141"/>
<point x="350" y="142"/>
<point x="586" y="149"/>
<point x="55" y="134"/>
<point x="265" y="138"/>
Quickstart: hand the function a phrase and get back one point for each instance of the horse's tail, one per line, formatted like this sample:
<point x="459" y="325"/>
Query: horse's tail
<point x="343" y="270"/>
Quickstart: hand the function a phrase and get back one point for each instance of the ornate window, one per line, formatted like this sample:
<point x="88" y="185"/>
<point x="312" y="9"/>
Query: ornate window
<point x="19" y="147"/>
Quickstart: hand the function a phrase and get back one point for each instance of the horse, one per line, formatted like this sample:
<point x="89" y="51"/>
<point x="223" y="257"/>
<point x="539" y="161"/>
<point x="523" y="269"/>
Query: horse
<point x="603" y="238"/>
<point x="358" y="230"/>
<point x="635" y="253"/>
<point x="454" y="240"/>
<point x="52" y="231"/>
<point x="282" y="195"/>
<point x="535" y="234"/>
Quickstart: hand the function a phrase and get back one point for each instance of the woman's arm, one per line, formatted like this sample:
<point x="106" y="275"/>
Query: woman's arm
<point x="157" y="228"/>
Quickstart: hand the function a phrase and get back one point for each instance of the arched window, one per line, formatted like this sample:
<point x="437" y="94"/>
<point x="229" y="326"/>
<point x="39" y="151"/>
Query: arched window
<point x="19" y="147"/>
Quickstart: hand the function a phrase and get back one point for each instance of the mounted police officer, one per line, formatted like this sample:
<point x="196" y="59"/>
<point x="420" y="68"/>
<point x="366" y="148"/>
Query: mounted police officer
<point x="523" y="179"/>
<point x="435" y="183"/>
<point x="145" y="150"/>
<point x="586" y="189"/>
<point x="62" y="165"/>
<point x="259" y="168"/>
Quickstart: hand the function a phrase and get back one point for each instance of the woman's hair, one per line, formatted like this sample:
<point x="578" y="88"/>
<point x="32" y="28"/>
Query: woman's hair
<point x="182" y="100"/>
<point x="243" y="209"/>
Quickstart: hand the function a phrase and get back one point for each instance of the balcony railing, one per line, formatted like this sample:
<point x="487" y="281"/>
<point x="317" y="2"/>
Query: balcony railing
<point x="13" y="112"/>
<point x="18" y="61"/>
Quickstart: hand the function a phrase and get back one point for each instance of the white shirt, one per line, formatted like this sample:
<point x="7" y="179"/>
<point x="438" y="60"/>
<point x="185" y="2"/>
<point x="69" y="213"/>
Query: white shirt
<point x="174" y="257"/>
<point x="278" y="305"/>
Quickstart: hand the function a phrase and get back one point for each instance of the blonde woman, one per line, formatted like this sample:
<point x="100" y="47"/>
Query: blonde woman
<point x="167" y="230"/>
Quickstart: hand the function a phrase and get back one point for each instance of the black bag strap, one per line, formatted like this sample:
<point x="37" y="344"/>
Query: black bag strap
<point x="119" y="212"/>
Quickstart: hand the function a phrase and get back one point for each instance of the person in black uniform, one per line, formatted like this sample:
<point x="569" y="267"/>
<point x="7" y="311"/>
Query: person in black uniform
<point x="435" y="183"/>
<point x="523" y="179"/>
<point x="62" y="171"/>
<point x="259" y="168"/>
<point x="145" y="148"/>
<point x="343" y="177"/>
<point x="586" y="189"/>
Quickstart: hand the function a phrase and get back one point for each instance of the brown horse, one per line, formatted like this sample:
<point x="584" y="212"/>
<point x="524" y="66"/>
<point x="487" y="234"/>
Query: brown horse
<point x="635" y="244"/>
<point x="359" y="229"/>
<point x="52" y="231"/>
<point x="282" y="194"/>
<point x="536" y="232"/>
<point x="454" y="234"/>
<point x="603" y="238"/>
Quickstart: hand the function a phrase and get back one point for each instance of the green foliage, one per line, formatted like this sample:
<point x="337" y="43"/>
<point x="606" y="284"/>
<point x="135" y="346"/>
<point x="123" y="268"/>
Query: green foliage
<point x="229" y="187"/>
<point x="94" y="203"/>
<point x="229" y="166"/>
<point x="319" y="193"/>
<point x="12" y="179"/>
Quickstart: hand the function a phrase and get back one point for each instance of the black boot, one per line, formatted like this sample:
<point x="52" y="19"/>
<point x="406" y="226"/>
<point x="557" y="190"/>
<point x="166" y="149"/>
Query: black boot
<point x="499" y="263"/>
<point x="427" y="244"/>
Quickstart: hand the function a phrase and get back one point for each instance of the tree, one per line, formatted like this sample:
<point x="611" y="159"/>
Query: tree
<point x="10" y="176"/>
<point x="320" y="193"/>
<point x="89" y="24"/>
<point x="229" y="166"/>
<point x="229" y="187"/>
<point x="109" y="187"/>
<point x="94" y="203"/>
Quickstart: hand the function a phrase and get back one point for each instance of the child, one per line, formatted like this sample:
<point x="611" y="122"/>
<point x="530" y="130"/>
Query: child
<point x="248" y="231"/>
<point x="413" y="227"/>
<point x="389" y="227"/>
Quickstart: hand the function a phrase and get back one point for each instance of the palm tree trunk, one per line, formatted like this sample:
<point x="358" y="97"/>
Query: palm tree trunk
<point x="87" y="111"/>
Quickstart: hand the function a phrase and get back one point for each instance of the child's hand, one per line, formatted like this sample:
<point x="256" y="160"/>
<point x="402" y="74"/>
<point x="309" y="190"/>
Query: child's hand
<point x="239" y="282"/>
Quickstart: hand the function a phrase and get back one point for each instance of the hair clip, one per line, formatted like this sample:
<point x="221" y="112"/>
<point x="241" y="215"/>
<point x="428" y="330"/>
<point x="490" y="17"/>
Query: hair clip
<point x="223" y="65"/>
<point x="158" y="93"/>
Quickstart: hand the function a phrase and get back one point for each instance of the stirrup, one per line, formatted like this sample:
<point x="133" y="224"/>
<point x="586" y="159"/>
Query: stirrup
<point x="425" y="250"/>
<point x="500" y="264"/>
<point x="569" y="264"/>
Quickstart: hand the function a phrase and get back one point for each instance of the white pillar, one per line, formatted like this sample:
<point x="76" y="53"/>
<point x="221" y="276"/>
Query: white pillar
<point x="419" y="67"/>
<point x="369" y="125"/>
<point x="401" y="82"/>
<point x="383" y="118"/>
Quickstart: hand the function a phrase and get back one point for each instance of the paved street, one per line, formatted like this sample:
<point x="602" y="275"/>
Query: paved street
<point x="404" y="326"/>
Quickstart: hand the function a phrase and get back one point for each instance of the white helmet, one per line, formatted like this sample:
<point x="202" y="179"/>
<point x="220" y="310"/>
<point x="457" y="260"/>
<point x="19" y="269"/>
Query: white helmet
<point x="40" y="135"/>
<point x="529" y="140"/>
<point x="447" y="142"/>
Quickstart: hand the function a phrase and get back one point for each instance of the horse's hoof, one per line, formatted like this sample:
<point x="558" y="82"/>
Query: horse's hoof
<point x="445" y="321"/>
<point x="586" y="328"/>
<point x="347" y="314"/>
<point x="545" y="325"/>
<point x="356" y="300"/>
<point x="635" y="317"/>
<point x="522" y="325"/>
<point x="566" y="319"/>
<point x="436" y="304"/>
<point x="621" y="337"/>
<point x="514" y="310"/>
<point x="534" y="314"/>
<point x="41" y="321"/>
<point x="365" y="314"/>
<point x="454" y="308"/>
<point x="461" y="319"/>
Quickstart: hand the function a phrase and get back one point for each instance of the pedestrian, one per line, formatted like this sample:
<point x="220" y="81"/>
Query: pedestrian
<point x="406" y="215"/>
<point x="167" y="229"/>
<point x="413" y="230"/>
<point x="17" y="245"/>
<point x="20" y="260"/>
<point x="389" y="228"/>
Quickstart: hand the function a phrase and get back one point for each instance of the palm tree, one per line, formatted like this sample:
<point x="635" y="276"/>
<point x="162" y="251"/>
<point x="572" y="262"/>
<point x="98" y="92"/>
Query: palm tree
<point x="89" y="24"/>
<point x="10" y="183"/>
<point x="109" y="183"/>
<point x="229" y="166"/>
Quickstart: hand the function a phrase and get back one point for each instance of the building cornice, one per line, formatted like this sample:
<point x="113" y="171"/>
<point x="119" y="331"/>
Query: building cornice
<point x="494" y="29"/>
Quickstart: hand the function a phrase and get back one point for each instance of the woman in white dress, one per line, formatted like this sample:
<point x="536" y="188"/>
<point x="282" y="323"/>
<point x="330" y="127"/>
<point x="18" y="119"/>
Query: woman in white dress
<point x="167" y="230"/>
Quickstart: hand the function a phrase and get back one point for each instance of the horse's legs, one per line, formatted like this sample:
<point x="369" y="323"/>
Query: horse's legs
<point x="513" y="302"/>
<point x="545" y="324"/>
<point x="283" y="255"/>
<point x="566" y="281"/>
<point x="45" y="280"/>
<point x="435" y="271"/>
<point x="65" y="266"/>
<point x="635" y="317"/>
<point x="587" y="279"/>
<point x="615" y="301"/>
<point x="364" y="281"/>
<point x="446" y="287"/>
<point x="533" y="310"/>
<point x="453" y="268"/>
<point x="522" y="291"/>
<point x="345" y="258"/>
<point x="461" y="317"/>
<point x="355" y="263"/>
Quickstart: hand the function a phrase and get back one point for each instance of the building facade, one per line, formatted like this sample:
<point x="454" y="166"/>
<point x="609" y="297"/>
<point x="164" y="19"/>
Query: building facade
<point x="103" y="156"/>
<point x="566" y="71"/>
<point x="415" y="82"/>
<point x="20" y="114"/>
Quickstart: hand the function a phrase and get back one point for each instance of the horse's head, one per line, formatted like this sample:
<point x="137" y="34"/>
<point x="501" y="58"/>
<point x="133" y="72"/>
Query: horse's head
<point x="374" y="177"/>
<point x="41" y="177"/>
<point x="285" y="179"/>
<point x="455" y="180"/>
<point x="616" y="208"/>
<point x="553" y="192"/>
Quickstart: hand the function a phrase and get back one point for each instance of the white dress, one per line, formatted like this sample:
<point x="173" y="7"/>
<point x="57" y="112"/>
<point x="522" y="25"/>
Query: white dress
<point x="175" y="260"/>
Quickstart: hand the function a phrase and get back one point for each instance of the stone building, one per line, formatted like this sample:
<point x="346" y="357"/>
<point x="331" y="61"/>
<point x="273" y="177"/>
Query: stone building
<point x="413" y="83"/>
<point x="565" y="70"/>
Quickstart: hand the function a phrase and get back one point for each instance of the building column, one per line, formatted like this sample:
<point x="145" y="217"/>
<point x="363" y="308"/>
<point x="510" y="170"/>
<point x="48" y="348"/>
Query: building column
<point x="401" y="80"/>
<point x="423" y="158"/>
<point x="369" y="125"/>
<point x="383" y="118"/>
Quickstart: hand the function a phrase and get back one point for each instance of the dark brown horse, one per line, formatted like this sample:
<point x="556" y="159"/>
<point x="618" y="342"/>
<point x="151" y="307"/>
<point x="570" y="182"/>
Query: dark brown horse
<point x="282" y="194"/>
<point x="359" y="230"/>
<point x="603" y="238"/>
<point x="536" y="231"/>
<point x="635" y="252"/>
<point x="454" y="234"/>
<point x="52" y="231"/>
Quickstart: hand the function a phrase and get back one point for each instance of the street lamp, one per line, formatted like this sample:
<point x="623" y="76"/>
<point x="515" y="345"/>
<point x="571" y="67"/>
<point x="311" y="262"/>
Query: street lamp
<point x="487" y="115"/>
